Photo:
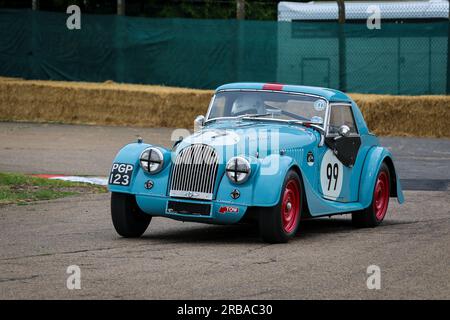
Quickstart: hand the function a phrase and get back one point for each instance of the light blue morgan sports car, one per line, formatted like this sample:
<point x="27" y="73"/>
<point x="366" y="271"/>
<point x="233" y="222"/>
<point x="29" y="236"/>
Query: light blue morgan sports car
<point x="270" y="153"/>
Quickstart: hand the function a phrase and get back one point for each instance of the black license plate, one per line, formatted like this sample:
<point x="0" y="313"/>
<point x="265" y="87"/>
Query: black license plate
<point x="121" y="174"/>
<point x="200" y="209"/>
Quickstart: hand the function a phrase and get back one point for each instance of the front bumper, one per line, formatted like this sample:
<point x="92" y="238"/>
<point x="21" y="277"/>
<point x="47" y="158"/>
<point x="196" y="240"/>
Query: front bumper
<point x="221" y="212"/>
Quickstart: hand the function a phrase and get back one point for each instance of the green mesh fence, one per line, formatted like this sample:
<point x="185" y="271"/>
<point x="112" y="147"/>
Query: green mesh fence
<point x="410" y="58"/>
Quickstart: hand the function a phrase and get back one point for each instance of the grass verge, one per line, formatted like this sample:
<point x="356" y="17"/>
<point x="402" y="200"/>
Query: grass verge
<point x="22" y="189"/>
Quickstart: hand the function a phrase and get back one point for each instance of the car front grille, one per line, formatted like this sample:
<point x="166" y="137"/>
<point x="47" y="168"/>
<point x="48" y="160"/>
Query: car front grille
<point x="194" y="173"/>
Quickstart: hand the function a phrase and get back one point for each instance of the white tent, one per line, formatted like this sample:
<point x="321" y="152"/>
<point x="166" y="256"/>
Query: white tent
<point x="431" y="9"/>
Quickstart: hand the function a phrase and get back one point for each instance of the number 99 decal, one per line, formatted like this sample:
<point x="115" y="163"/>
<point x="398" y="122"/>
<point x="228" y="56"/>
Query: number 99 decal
<point x="331" y="175"/>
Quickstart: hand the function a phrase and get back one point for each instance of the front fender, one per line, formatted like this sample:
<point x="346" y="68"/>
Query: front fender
<point x="375" y="157"/>
<point x="268" y="185"/>
<point x="130" y="154"/>
<point x="263" y="189"/>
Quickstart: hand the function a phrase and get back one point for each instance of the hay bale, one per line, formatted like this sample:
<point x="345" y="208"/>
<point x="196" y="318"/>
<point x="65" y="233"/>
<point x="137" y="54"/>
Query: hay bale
<point x="111" y="103"/>
<point x="420" y="116"/>
<point x="100" y="103"/>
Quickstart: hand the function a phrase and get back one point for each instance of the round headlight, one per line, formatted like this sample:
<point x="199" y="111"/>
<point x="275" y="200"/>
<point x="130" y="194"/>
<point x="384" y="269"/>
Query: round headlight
<point x="151" y="160"/>
<point x="238" y="169"/>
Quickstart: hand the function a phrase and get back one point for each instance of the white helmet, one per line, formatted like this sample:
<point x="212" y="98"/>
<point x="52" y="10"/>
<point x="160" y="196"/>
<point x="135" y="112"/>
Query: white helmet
<point x="250" y="103"/>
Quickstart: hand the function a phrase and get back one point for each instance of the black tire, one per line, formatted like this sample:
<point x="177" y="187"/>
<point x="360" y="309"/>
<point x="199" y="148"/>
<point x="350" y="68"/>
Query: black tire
<point x="128" y="219"/>
<point x="271" y="225"/>
<point x="371" y="216"/>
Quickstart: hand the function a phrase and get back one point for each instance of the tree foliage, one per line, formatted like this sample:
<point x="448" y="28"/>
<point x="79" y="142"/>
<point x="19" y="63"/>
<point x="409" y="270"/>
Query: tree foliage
<point x="197" y="9"/>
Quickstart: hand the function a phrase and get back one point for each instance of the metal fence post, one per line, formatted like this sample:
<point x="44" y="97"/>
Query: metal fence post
<point x="448" y="51"/>
<point x="32" y="62"/>
<point x="342" y="47"/>
<point x="121" y="7"/>
<point x="120" y="42"/>
<point x="238" y="55"/>
<point x="240" y="9"/>
<point x="35" y="5"/>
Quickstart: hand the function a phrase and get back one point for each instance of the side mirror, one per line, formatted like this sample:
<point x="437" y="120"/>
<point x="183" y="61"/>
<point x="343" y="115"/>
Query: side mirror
<point x="199" y="122"/>
<point x="344" y="131"/>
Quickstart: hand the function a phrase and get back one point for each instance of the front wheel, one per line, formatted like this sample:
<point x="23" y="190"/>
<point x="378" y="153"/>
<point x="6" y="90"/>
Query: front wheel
<point x="278" y="224"/>
<point x="128" y="219"/>
<point x="373" y="215"/>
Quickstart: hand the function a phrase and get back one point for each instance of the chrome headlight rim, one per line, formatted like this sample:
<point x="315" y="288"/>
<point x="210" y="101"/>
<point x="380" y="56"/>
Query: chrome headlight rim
<point x="147" y="159"/>
<point x="232" y="173"/>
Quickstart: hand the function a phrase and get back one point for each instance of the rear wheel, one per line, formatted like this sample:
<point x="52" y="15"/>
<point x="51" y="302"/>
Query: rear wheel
<point x="280" y="223"/>
<point x="128" y="219"/>
<point x="375" y="213"/>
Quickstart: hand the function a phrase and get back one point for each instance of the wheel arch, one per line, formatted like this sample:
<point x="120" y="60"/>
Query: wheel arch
<point x="392" y="176"/>
<point x="275" y="182"/>
<point x="305" y="207"/>
<point x="375" y="158"/>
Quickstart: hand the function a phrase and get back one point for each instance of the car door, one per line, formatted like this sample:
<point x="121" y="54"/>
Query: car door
<point x="338" y="180"/>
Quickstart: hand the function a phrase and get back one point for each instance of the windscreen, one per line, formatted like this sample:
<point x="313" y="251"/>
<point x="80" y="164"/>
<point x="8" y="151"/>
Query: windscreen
<point x="280" y="105"/>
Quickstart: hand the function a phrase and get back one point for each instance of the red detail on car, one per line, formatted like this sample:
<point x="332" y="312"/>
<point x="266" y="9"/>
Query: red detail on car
<point x="47" y="176"/>
<point x="290" y="206"/>
<point x="381" y="196"/>
<point x="273" y="86"/>
<point x="228" y="209"/>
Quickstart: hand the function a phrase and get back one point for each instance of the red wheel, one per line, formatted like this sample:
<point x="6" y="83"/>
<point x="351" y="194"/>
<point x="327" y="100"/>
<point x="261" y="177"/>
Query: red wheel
<point x="375" y="213"/>
<point x="280" y="223"/>
<point x="290" y="206"/>
<point x="381" y="196"/>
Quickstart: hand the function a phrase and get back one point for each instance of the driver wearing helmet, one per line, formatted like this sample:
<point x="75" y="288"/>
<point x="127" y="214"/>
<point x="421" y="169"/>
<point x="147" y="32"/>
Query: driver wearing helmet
<point x="248" y="104"/>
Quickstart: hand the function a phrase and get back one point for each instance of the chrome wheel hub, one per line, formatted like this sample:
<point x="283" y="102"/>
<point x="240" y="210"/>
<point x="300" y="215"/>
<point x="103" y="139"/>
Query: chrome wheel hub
<point x="288" y="206"/>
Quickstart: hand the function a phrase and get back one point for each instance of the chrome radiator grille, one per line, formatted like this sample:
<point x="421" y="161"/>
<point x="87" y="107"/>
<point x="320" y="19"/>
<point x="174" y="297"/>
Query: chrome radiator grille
<point x="194" y="173"/>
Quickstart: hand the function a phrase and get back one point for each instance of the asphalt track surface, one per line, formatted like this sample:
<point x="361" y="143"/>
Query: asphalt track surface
<point x="328" y="258"/>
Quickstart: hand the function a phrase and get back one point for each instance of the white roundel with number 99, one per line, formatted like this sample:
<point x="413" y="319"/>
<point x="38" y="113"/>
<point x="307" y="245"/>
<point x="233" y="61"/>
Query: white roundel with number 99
<point x="331" y="175"/>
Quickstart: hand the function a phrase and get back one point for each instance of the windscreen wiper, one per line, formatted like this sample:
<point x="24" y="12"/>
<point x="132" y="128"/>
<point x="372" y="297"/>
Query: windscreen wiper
<point x="309" y="124"/>
<point x="257" y="115"/>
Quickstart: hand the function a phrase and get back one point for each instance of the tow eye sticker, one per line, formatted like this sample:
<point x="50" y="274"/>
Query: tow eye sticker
<point x="331" y="175"/>
<point x="228" y="209"/>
